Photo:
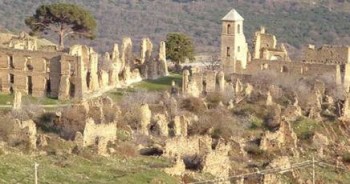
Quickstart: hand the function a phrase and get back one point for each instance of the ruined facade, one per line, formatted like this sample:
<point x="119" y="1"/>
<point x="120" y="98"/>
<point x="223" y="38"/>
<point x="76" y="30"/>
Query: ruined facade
<point x="267" y="55"/>
<point x="35" y="67"/>
<point x="265" y="47"/>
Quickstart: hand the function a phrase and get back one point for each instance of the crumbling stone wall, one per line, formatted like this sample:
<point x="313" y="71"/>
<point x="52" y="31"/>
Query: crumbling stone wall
<point x="23" y="132"/>
<point x="202" y="83"/>
<point x="217" y="161"/>
<point x="33" y="66"/>
<point x="187" y="146"/>
<point x="36" y="72"/>
<point x="94" y="131"/>
<point x="327" y="54"/>
<point x="24" y="41"/>
<point x="265" y="47"/>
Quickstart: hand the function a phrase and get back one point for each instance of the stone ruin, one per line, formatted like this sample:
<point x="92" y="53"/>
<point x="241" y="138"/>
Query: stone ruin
<point x="283" y="138"/>
<point x="197" y="152"/>
<point x="17" y="101"/>
<point x="75" y="72"/>
<point x="266" y="47"/>
<point x="92" y="123"/>
<point x="23" y="132"/>
<point x="269" y="56"/>
<point x="202" y="83"/>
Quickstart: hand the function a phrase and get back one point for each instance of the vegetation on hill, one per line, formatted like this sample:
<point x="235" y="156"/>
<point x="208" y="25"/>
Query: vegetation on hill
<point x="294" y="22"/>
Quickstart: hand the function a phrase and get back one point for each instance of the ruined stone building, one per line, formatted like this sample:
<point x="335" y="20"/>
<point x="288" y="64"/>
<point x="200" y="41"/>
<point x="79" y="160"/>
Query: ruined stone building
<point x="35" y="67"/>
<point x="268" y="55"/>
<point x="265" y="47"/>
<point x="234" y="47"/>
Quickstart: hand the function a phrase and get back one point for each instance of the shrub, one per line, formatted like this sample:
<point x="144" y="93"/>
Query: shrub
<point x="305" y="128"/>
<point x="256" y="122"/>
<point x="46" y="122"/>
<point x="193" y="104"/>
<point x="214" y="99"/>
<point x="253" y="149"/>
<point x="217" y="122"/>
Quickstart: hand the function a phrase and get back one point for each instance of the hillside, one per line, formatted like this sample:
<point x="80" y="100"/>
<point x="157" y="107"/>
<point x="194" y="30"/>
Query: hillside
<point x="294" y="22"/>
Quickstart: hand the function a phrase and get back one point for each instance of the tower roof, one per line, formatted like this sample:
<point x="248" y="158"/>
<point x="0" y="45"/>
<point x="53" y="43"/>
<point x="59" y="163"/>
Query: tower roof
<point x="233" y="15"/>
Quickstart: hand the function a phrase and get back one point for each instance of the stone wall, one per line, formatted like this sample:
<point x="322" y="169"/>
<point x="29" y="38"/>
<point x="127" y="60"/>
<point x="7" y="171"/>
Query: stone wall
<point x="77" y="72"/>
<point x="327" y="54"/>
<point x="94" y="131"/>
<point x="181" y="146"/>
<point x="203" y="83"/>
<point x="35" y="72"/>
<point x="265" y="47"/>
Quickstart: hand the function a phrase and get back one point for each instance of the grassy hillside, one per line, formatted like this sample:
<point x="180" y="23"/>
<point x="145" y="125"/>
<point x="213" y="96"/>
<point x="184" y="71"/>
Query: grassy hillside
<point x="17" y="168"/>
<point x="294" y="22"/>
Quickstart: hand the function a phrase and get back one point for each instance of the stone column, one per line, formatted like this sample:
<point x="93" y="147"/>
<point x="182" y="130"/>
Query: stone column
<point x="221" y="81"/>
<point x="185" y="80"/>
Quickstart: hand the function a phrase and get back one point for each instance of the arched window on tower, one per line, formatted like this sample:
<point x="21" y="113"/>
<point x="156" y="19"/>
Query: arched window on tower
<point x="238" y="29"/>
<point x="228" y="52"/>
<point x="229" y="29"/>
<point x="238" y="49"/>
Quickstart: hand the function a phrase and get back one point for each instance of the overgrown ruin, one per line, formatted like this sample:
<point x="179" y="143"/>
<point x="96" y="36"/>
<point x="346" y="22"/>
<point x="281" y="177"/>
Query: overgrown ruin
<point x="35" y="67"/>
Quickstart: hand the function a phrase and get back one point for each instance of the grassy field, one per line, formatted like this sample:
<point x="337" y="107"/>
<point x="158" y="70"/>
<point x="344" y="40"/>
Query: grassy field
<point x="69" y="169"/>
<point x="160" y="84"/>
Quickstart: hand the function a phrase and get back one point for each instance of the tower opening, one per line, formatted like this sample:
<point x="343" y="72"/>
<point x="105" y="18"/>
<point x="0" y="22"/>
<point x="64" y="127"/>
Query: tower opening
<point x="30" y="85"/>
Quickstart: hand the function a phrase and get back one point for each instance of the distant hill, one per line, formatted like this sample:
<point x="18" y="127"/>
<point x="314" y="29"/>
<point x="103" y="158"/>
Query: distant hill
<point x="294" y="22"/>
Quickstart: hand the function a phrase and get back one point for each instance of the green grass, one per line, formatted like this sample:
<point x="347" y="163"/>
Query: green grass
<point x="160" y="84"/>
<point x="6" y="99"/>
<point x="75" y="169"/>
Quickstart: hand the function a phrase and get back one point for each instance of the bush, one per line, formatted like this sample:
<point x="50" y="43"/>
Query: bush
<point x="256" y="122"/>
<point x="305" y="128"/>
<point x="46" y="122"/>
<point x="253" y="149"/>
<point x="193" y="104"/>
<point x="219" y="123"/>
<point x="214" y="99"/>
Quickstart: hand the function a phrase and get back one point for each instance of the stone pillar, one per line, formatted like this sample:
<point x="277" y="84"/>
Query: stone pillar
<point x="346" y="109"/>
<point x="126" y="52"/>
<point x="64" y="88"/>
<point x="338" y="76"/>
<point x="238" y="87"/>
<point x="17" y="101"/>
<point x="146" y="50"/>
<point x="221" y="81"/>
<point x="162" y="123"/>
<point x="145" y="116"/>
<point x="185" y="80"/>
<point x="180" y="126"/>
<point x="162" y="59"/>
<point x="269" y="99"/>
<point x="347" y="77"/>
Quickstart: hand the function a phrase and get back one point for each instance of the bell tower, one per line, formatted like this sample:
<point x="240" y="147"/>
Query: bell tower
<point x="234" y="48"/>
